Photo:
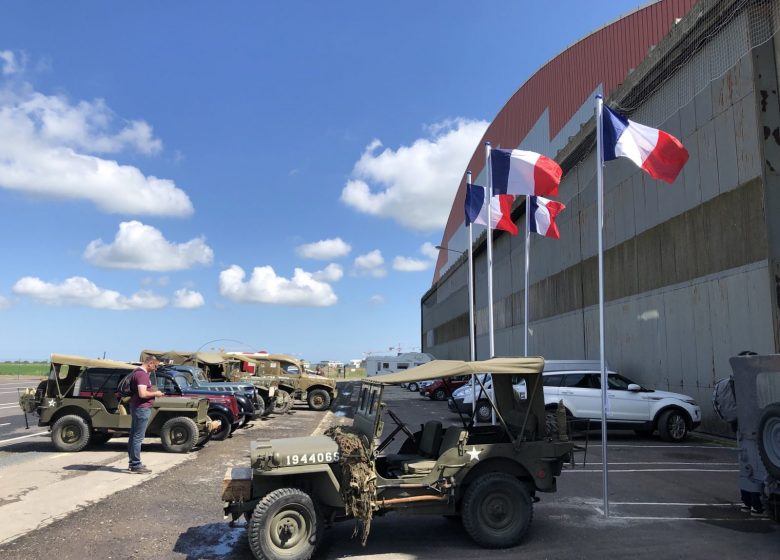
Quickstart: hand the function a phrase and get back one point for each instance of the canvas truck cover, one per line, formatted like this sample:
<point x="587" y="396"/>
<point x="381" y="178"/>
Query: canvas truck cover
<point x="438" y="369"/>
<point x="187" y="358"/>
<point x="89" y="362"/>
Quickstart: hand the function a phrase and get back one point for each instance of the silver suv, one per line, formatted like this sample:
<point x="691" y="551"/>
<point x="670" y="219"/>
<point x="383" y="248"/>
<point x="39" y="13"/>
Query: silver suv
<point x="630" y="406"/>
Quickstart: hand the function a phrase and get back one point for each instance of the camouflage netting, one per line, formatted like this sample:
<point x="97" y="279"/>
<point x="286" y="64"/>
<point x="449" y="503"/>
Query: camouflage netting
<point x="358" y="480"/>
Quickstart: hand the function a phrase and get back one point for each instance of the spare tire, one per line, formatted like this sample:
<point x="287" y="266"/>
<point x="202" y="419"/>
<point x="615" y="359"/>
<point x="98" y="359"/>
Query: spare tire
<point x="769" y="438"/>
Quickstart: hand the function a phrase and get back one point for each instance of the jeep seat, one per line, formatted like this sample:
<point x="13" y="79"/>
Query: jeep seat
<point x="427" y="448"/>
<point x="450" y="440"/>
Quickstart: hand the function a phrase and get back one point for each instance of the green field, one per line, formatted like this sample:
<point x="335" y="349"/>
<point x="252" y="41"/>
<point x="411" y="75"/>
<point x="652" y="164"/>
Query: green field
<point x="22" y="368"/>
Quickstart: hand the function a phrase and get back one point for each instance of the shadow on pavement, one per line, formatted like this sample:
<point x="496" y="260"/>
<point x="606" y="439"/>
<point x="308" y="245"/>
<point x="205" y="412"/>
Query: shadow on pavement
<point x="214" y="540"/>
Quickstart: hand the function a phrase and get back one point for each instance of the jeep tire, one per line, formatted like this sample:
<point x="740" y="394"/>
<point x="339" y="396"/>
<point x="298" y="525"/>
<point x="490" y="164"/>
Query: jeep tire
<point x="285" y="525"/>
<point x="179" y="434"/>
<point x="283" y="402"/>
<point x="225" y="425"/>
<point x="673" y="425"/>
<point x="769" y="439"/>
<point x="318" y="399"/>
<point x="70" y="433"/>
<point x="497" y="510"/>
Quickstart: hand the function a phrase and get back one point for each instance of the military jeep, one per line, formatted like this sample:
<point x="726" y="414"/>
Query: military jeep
<point x="78" y="402"/>
<point x="488" y="475"/>
<point x="317" y="391"/>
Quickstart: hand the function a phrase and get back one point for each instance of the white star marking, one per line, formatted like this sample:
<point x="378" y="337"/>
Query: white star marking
<point x="474" y="453"/>
<point x="52" y="402"/>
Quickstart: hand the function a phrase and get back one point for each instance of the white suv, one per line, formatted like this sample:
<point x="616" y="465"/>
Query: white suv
<point x="629" y="405"/>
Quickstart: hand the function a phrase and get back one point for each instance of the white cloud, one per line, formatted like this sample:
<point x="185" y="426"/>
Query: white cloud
<point x="266" y="287"/>
<point x="187" y="299"/>
<point x="376" y="300"/>
<point x="429" y="250"/>
<point x="47" y="147"/>
<point x="415" y="185"/>
<point x="9" y="63"/>
<point x="406" y="264"/>
<point x="142" y="247"/>
<point x="370" y="264"/>
<point x="324" y="250"/>
<point x="331" y="273"/>
<point x="79" y="291"/>
<point x="159" y="281"/>
<point x="5" y="303"/>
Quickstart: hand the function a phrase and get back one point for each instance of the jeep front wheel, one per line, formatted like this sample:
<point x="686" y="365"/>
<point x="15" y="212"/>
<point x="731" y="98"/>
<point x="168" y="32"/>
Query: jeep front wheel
<point x="179" y="435"/>
<point x="497" y="510"/>
<point x="769" y="438"/>
<point x="70" y="433"/>
<point x="318" y="399"/>
<point x="284" y="526"/>
<point x="673" y="426"/>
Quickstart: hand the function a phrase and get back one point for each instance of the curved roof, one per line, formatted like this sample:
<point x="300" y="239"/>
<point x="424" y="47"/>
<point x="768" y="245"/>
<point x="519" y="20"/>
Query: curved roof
<point x="600" y="60"/>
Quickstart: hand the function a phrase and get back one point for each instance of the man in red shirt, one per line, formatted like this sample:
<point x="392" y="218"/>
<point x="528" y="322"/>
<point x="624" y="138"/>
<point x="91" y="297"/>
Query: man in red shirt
<point x="141" y="402"/>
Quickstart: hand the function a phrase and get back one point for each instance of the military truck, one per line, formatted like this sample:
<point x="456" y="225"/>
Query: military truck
<point x="78" y="402"/>
<point x="487" y="475"/>
<point x="216" y="370"/>
<point x="317" y="391"/>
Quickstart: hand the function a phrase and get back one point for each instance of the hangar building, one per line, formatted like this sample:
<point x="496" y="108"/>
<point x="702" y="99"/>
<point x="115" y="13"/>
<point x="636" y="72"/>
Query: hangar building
<point x="692" y="269"/>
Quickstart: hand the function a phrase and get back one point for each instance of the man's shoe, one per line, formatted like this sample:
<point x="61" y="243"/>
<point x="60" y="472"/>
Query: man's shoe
<point x="140" y="470"/>
<point x="745" y="509"/>
<point x="755" y="512"/>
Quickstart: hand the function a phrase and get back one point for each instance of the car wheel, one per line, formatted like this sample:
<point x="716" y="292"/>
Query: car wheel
<point x="224" y="425"/>
<point x="70" y="433"/>
<point x="283" y="402"/>
<point x="484" y="411"/>
<point x="413" y="387"/>
<point x="673" y="426"/>
<point x="769" y="438"/>
<point x="260" y="408"/>
<point x="99" y="438"/>
<point x="285" y="526"/>
<point x="318" y="399"/>
<point x="179" y="435"/>
<point x="497" y="510"/>
<point x="440" y="395"/>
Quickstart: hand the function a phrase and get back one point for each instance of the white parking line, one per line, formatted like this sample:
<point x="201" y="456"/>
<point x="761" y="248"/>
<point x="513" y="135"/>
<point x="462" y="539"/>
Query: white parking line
<point x="43" y="432"/>
<point x="6" y="424"/>
<point x="649" y="470"/>
<point x="669" y="504"/>
<point x="661" y="463"/>
<point x="611" y="445"/>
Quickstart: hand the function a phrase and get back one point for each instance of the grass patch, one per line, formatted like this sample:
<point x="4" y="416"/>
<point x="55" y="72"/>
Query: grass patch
<point x="24" y="368"/>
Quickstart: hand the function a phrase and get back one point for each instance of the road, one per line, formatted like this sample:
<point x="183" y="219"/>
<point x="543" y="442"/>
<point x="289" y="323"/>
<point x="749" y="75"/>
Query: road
<point x="12" y="427"/>
<point x="665" y="501"/>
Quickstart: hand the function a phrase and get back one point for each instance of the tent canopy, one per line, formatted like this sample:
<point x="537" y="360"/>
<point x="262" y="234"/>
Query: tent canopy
<point x="438" y="369"/>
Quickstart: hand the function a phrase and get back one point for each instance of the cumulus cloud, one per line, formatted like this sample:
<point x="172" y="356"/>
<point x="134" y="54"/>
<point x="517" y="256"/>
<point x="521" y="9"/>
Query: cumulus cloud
<point x="9" y="63"/>
<point x="370" y="264"/>
<point x="81" y="292"/>
<point x="187" y="299"/>
<point x="324" y="250"/>
<point x="48" y="148"/>
<point x="142" y="247"/>
<point x="331" y="273"/>
<point x="376" y="300"/>
<point x="5" y="303"/>
<point x="414" y="185"/>
<point x="429" y="250"/>
<point x="406" y="264"/>
<point x="265" y="286"/>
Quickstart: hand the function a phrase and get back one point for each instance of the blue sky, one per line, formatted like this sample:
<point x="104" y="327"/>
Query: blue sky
<point x="270" y="174"/>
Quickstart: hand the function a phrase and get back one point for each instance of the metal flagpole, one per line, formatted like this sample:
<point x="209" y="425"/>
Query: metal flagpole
<point x="489" y="201"/>
<point x="600" y="218"/>
<point x="527" y="264"/>
<point x="472" y="342"/>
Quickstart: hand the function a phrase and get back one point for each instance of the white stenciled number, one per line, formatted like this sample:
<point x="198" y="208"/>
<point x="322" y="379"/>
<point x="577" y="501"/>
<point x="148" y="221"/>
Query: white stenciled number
<point x="320" y="457"/>
<point x="336" y="456"/>
<point x="312" y="458"/>
<point x="304" y="460"/>
<point x="328" y="457"/>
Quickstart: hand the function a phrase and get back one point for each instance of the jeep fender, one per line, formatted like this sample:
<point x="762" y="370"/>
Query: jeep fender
<point x="498" y="464"/>
<point x="317" y="480"/>
<point x="77" y="410"/>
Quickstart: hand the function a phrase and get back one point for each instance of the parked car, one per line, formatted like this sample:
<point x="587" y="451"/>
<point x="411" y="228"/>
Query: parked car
<point x="488" y="477"/>
<point x="462" y="400"/>
<point x="415" y="386"/>
<point x="631" y="406"/>
<point x="222" y="406"/>
<point x="78" y="402"/>
<point x="441" y="389"/>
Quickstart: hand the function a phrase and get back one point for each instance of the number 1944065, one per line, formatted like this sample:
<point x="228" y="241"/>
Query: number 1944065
<point x="310" y="458"/>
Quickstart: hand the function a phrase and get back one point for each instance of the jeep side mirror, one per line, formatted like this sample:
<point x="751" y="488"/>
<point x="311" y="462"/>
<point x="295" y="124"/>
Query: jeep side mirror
<point x="634" y="388"/>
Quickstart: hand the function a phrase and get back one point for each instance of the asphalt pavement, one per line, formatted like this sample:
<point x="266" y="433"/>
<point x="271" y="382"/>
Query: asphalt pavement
<point x="665" y="501"/>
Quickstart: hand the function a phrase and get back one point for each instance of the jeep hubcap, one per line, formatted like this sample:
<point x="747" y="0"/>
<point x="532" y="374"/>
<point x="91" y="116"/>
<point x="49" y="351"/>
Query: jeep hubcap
<point x="289" y="529"/>
<point x="71" y="433"/>
<point x="497" y="511"/>
<point x="178" y="435"/>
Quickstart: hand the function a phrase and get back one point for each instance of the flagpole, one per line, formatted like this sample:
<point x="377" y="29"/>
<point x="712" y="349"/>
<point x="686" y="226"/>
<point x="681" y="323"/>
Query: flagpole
<point x="527" y="264"/>
<point x="472" y="342"/>
<point x="489" y="202"/>
<point x="600" y="225"/>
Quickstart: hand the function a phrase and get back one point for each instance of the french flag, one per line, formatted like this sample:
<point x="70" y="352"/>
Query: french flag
<point x="657" y="152"/>
<point x="500" y="208"/>
<point x="542" y="213"/>
<point x="519" y="172"/>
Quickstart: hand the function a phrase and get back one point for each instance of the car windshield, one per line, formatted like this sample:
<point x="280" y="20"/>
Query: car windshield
<point x="184" y="380"/>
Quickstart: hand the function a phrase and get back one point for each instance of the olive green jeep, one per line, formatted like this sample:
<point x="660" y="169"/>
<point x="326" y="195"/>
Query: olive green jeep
<point x="317" y="391"/>
<point x="488" y="475"/>
<point x="78" y="402"/>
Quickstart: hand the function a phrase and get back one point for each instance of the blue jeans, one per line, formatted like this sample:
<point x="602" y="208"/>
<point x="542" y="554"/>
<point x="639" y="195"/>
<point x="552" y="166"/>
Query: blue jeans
<point x="137" y="433"/>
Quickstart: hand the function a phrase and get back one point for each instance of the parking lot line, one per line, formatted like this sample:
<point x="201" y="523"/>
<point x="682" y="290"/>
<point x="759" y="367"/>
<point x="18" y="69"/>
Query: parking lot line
<point x="669" y="504"/>
<point x="663" y="463"/>
<point x="6" y="424"/>
<point x="611" y="445"/>
<point x="43" y="432"/>
<point x="649" y="470"/>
